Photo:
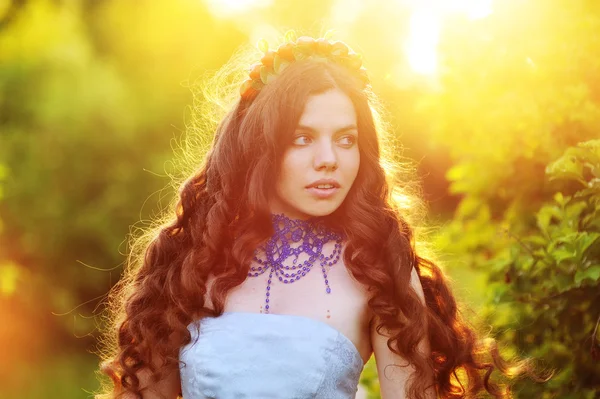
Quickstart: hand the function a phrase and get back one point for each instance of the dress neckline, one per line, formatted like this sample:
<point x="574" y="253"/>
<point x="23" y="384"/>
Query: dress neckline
<point x="306" y="319"/>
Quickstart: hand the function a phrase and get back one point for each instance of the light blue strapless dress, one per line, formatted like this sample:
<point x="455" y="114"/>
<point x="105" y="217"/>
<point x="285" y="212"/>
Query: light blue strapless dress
<point x="262" y="356"/>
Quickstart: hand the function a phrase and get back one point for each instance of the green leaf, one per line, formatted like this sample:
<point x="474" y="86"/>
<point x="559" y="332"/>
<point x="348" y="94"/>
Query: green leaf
<point x="263" y="45"/>
<point x="546" y="214"/>
<point x="290" y="36"/>
<point x="591" y="273"/>
<point x="566" y="167"/>
<point x="574" y="210"/>
<point x="329" y="34"/>
<point x="499" y="263"/>
<point x="571" y="165"/>
<point x="591" y="156"/>
<point x="560" y="199"/>
<point x="536" y="240"/>
<point x="584" y="241"/>
<point x="562" y="254"/>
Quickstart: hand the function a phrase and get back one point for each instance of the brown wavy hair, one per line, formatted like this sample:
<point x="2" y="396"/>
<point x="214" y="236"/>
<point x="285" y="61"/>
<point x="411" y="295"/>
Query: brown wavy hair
<point x="164" y="286"/>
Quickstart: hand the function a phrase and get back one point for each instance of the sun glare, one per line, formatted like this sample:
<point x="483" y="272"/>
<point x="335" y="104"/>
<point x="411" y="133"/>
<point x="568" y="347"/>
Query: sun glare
<point x="474" y="9"/>
<point x="346" y="11"/>
<point x="225" y="8"/>
<point x="425" y="26"/>
<point x="421" y="46"/>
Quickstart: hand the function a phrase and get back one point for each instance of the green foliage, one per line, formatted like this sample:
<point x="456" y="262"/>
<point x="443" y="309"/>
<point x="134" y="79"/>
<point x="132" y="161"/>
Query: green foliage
<point x="520" y="115"/>
<point x="90" y="101"/>
<point x="544" y="272"/>
<point x="550" y="278"/>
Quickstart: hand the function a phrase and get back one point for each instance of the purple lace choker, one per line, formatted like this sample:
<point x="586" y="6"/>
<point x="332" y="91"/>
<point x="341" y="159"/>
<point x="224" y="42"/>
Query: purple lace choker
<point x="296" y="239"/>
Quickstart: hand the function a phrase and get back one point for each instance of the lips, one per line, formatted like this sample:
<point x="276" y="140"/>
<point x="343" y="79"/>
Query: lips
<point x="323" y="188"/>
<point x="324" y="184"/>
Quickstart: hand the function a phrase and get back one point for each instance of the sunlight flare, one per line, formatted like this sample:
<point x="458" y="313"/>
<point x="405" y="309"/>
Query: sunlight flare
<point x="225" y="8"/>
<point x="421" y="46"/>
<point x="425" y="26"/>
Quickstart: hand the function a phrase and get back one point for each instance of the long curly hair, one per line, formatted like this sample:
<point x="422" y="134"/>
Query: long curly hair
<point x="221" y="215"/>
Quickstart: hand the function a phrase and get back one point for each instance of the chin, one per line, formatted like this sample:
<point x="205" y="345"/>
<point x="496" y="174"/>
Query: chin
<point x="321" y="210"/>
<point x="307" y="209"/>
<point x="320" y="214"/>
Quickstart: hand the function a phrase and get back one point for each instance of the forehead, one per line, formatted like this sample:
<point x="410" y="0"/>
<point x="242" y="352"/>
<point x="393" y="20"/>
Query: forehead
<point x="332" y="109"/>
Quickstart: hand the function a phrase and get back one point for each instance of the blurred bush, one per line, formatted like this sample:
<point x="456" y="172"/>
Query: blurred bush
<point x="545" y="286"/>
<point x="518" y="111"/>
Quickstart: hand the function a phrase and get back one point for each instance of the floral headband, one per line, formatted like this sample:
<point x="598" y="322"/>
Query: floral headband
<point x="304" y="47"/>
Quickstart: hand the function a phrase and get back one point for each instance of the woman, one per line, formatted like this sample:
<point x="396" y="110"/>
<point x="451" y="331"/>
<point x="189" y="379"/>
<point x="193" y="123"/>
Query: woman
<point x="225" y="303"/>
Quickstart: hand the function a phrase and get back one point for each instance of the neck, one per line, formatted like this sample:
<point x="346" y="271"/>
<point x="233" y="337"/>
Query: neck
<point x="307" y="219"/>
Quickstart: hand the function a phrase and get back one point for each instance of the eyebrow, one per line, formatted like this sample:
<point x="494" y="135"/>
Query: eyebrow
<point x="340" y="130"/>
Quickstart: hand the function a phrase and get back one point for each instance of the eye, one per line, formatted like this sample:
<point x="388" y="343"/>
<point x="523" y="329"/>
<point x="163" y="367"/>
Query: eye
<point x="348" y="140"/>
<point x="301" y="140"/>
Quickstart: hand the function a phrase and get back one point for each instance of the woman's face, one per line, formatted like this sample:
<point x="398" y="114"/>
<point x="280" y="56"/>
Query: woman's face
<point x="322" y="159"/>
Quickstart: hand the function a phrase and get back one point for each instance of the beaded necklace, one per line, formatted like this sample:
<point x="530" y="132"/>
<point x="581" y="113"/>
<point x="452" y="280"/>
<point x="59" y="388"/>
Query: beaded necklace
<point x="290" y="239"/>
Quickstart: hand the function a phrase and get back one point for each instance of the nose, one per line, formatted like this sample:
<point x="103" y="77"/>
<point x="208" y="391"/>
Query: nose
<point x="325" y="157"/>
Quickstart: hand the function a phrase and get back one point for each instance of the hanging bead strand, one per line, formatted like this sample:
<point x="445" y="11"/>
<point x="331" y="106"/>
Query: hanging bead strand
<point x="310" y="237"/>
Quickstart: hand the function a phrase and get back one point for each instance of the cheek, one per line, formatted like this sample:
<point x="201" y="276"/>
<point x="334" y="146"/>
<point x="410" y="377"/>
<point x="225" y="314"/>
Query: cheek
<point x="353" y="164"/>
<point x="288" y="171"/>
